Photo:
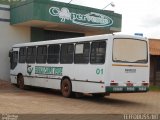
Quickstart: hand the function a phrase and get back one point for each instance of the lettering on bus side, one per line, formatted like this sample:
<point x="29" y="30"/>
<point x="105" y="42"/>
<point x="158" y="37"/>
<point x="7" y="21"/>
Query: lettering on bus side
<point x="99" y="71"/>
<point x="29" y="70"/>
<point x="130" y="70"/>
<point x="45" y="70"/>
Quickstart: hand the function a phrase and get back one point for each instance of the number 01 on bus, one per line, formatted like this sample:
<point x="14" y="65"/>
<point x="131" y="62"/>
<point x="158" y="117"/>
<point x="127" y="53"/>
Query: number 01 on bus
<point x="97" y="65"/>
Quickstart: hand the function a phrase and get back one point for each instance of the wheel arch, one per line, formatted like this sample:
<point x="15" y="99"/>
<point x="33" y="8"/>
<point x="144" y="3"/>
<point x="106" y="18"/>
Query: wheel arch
<point x="19" y="74"/>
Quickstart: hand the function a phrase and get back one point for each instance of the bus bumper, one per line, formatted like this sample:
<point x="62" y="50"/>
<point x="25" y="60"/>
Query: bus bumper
<point x="126" y="89"/>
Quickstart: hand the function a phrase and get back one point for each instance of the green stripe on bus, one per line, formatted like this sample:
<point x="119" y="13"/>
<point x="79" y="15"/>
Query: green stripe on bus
<point x="115" y="89"/>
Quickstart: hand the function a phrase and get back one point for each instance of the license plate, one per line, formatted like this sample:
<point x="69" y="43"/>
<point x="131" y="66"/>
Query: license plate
<point x="118" y="89"/>
<point x="130" y="89"/>
<point x="142" y="89"/>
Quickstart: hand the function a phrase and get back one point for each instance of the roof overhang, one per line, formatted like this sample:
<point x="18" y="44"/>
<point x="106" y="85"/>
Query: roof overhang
<point x="62" y="16"/>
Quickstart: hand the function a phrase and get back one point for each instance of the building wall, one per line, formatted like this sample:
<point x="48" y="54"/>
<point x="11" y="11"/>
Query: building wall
<point x="9" y="35"/>
<point x="154" y="48"/>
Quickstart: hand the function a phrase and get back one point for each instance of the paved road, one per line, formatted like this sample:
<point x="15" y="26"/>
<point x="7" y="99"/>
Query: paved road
<point x="46" y="101"/>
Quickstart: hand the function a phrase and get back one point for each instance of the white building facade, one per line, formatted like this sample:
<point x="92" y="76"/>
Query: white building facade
<point x="9" y="35"/>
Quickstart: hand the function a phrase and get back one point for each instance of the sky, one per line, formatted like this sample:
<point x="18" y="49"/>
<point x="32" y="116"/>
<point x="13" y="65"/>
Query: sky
<point x="138" y="16"/>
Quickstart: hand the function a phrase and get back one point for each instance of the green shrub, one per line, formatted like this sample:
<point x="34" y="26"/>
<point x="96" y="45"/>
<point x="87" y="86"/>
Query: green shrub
<point x="154" y="88"/>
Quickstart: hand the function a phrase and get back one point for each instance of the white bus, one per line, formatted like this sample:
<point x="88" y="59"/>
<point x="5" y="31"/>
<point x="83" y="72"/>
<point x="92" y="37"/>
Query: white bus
<point x="97" y="65"/>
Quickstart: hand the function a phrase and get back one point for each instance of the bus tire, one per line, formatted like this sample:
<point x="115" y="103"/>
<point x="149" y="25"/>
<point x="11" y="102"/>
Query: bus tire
<point x="66" y="88"/>
<point x="20" y="81"/>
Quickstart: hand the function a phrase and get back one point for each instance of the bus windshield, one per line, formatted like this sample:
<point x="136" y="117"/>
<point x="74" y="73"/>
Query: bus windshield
<point x="130" y="51"/>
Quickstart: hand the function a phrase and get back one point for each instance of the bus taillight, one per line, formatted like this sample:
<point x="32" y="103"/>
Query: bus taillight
<point x="129" y="83"/>
<point x="145" y="84"/>
<point x="113" y="83"/>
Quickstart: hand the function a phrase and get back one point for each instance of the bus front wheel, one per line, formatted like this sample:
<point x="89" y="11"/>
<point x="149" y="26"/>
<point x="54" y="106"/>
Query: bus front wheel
<point x="66" y="88"/>
<point x="20" y="81"/>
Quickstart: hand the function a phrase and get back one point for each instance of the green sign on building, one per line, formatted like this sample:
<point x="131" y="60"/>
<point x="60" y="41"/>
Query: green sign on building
<point x="64" y="13"/>
<point x="92" y="19"/>
<point x="10" y="2"/>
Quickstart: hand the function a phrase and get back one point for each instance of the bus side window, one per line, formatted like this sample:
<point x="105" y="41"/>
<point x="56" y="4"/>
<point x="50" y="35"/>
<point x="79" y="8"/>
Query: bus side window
<point x="82" y="53"/>
<point x="53" y="53"/>
<point x="13" y="59"/>
<point x="98" y="50"/>
<point x="22" y="55"/>
<point x="67" y="53"/>
<point x="41" y="54"/>
<point x="31" y="54"/>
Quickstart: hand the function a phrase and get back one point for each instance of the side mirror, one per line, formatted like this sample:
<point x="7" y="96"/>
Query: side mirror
<point x="10" y="53"/>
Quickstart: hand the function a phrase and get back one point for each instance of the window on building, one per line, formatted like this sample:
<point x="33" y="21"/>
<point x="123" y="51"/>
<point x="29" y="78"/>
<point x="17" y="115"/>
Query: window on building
<point x="22" y="55"/>
<point x="41" y="54"/>
<point x="82" y="53"/>
<point x="98" y="50"/>
<point x="31" y="54"/>
<point x="67" y="53"/>
<point x="53" y="35"/>
<point x="53" y="53"/>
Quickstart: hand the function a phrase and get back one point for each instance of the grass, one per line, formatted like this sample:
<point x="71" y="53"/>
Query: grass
<point x="154" y="88"/>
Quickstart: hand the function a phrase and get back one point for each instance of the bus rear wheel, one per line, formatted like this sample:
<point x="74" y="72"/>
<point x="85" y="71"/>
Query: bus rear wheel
<point x="66" y="88"/>
<point x="20" y="81"/>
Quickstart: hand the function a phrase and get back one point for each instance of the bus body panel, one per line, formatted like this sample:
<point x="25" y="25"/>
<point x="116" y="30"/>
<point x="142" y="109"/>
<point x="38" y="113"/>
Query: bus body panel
<point x="126" y="76"/>
<point x="93" y="75"/>
<point x="85" y="78"/>
<point x="130" y="78"/>
<point x="133" y="74"/>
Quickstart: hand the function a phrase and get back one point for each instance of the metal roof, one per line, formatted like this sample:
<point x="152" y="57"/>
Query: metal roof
<point x="154" y="46"/>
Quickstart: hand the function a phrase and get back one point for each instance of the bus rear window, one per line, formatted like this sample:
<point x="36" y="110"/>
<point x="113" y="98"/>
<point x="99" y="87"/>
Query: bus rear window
<point x="130" y="51"/>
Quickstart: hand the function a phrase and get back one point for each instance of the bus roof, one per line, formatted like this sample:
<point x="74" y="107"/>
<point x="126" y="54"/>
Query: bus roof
<point x="78" y="39"/>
